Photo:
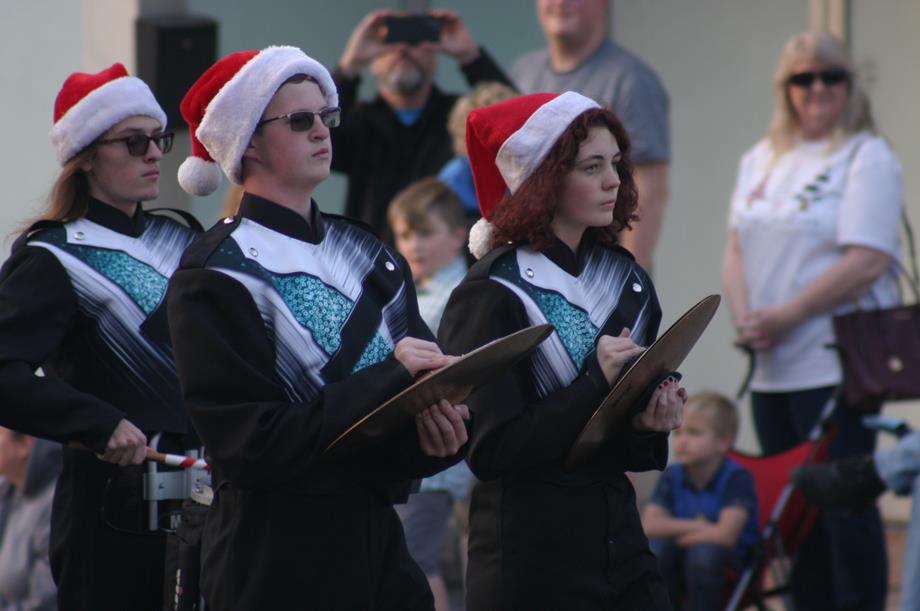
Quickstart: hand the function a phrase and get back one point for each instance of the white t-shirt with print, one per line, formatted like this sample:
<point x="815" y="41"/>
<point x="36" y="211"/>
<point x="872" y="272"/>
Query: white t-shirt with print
<point x="793" y="220"/>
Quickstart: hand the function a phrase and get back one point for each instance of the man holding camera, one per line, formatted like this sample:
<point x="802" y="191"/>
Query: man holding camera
<point x="401" y="135"/>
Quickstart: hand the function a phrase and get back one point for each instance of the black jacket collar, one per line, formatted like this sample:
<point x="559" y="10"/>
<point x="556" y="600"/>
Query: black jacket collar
<point x="112" y="218"/>
<point x="560" y="254"/>
<point x="568" y="261"/>
<point x="282" y="219"/>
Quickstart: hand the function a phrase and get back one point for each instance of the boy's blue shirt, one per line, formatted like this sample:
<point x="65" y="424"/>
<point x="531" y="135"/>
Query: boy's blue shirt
<point x="730" y="486"/>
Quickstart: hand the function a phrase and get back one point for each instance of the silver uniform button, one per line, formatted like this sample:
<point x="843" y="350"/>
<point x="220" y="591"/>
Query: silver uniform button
<point x="389" y="265"/>
<point x="528" y="272"/>
<point x="254" y="252"/>
<point x="228" y="220"/>
<point x="637" y="288"/>
<point x="78" y="235"/>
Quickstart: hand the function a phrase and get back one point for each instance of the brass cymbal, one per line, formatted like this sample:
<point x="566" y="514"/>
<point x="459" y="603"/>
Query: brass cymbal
<point x="454" y="382"/>
<point x="662" y="357"/>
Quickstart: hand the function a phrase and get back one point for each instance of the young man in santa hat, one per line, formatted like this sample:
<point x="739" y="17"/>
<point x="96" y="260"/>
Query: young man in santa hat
<point x="76" y="296"/>
<point x="289" y="325"/>
<point x="555" y="187"/>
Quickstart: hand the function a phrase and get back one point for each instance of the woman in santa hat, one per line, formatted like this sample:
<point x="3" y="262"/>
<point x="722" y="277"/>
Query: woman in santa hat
<point x="554" y="182"/>
<point x="80" y="287"/>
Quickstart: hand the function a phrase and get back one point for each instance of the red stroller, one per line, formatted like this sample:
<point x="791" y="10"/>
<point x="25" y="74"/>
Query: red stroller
<point x="785" y="517"/>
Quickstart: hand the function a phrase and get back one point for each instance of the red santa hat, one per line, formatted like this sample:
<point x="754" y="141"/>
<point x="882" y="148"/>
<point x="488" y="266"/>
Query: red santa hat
<point x="507" y="142"/>
<point x="89" y="104"/>
<point x="226" y="103"/>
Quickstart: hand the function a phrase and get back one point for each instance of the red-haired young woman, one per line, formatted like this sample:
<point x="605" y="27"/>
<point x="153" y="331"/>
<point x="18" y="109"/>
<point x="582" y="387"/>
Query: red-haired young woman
<point x="555" y="187"/>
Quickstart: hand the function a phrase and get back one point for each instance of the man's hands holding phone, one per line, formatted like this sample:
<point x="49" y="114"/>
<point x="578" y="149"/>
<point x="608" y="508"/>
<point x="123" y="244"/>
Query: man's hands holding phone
<point x="384" y="31"/>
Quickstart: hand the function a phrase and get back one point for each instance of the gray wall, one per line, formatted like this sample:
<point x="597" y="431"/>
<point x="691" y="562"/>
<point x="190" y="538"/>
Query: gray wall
<point x="716" y="59"/>
<point x="886" y="45"/>
<point x="42" y="42"/>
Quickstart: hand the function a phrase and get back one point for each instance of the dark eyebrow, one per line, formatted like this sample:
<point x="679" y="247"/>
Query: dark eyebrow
<point x="591" y="158"/>
<point x="136" y="130"/>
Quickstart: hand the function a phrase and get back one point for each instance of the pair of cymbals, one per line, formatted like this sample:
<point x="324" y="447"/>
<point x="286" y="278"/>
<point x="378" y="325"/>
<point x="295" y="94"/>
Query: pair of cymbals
<point x="456" y="381"/>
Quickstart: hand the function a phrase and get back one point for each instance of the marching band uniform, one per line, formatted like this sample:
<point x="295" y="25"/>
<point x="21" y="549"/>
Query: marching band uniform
<point x="284" y="329"/>
<point x="542" y="536"/>
<point x="75" y="299"/>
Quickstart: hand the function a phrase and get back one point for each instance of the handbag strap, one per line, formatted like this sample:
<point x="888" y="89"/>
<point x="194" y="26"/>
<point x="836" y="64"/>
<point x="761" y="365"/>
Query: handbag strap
<point x="913" y="278"/>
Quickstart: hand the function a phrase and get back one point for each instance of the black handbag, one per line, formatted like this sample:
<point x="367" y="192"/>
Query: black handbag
<point x="880" y="348"/>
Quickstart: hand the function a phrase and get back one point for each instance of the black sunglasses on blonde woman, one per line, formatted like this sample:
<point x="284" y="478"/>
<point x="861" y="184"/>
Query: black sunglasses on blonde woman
<point x="833" y="76"/>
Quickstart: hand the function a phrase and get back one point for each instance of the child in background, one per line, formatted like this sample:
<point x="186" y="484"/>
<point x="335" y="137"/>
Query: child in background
<point x="702" y="516"/>
<point x="429" y="226"/>
<point x="456" y="173"/>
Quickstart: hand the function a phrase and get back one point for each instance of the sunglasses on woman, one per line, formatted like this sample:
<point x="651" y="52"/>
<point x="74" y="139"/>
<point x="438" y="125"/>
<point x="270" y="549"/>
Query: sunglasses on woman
<point x="139" y="143"/>
<point x="832" y="76"/>
<point x="302" y="120"/>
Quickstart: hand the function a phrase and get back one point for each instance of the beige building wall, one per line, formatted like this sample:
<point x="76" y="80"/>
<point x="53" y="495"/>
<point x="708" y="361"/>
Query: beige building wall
<point x="42" y="41"/>
<point x="716" y="59"/>
<point x="886" y="46"/>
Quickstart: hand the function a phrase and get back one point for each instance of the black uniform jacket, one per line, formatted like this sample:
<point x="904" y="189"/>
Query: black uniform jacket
<point x="283" y="331"/>
<point x="81" y="299"/>
<point x="381" y="155"/>
<point x="75" y="299"/>
<point x="542" y="537"/>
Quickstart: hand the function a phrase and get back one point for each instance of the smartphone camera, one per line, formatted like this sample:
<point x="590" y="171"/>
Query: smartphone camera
<point x="412" y="29"/>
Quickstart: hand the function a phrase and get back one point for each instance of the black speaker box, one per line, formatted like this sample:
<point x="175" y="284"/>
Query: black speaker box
<point x="172" y="52"/>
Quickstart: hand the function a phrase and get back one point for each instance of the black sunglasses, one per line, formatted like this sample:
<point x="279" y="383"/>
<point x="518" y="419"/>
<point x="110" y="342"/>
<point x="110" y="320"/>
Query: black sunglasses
<point x="833" y="76"/>
<point x="302" y="120"/>
<point x="139" y="143"/>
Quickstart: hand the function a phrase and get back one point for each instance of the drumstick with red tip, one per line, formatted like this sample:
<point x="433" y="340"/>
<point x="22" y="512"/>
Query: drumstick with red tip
<point x="173" y="460"/>
<point x="178" y="460"/>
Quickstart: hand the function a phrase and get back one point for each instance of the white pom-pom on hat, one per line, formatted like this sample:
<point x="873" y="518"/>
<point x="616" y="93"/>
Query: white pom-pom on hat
<point x="481" y="238"/>
<point x="199" y="177"/>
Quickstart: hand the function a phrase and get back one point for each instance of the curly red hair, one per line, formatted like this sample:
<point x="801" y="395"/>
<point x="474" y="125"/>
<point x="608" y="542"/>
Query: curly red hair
<point x="525" y="215"/>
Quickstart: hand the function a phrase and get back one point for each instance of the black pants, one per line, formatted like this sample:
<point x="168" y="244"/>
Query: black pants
<point x="291" y="551"/>
<point x="103" y="562"/>
<point x="547" y="541"/>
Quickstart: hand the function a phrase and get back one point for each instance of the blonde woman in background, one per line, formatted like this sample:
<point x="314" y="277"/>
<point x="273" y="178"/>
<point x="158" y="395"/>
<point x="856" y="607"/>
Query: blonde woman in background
<point x="813" y="229"/>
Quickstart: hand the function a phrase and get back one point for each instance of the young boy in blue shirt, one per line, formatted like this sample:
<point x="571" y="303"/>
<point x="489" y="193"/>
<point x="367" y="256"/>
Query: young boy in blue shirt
<point x="702" y="517"/>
